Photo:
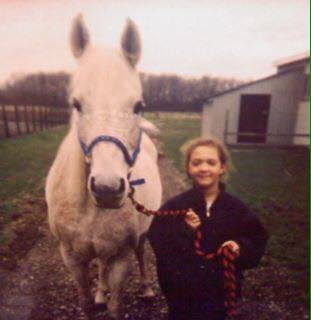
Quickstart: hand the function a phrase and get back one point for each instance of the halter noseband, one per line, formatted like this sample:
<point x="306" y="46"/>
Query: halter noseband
<point x="130" y="159"/>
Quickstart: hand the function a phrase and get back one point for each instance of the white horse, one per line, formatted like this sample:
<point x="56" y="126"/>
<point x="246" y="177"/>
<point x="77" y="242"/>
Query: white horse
<point x="106" y="148"/>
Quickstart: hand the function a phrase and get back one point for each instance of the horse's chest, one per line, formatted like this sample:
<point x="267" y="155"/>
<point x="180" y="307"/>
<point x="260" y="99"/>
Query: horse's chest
<point x="105" y="236"/>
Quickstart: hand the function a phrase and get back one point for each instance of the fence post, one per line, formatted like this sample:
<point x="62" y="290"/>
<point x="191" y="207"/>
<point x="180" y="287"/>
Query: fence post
<point x="52" y="117"/>
<point x="26" y="119"/>
<point x="40" y="118"/>
<point x="17" y="120"/>
<point x="5" y="120"/>
<point x="45" y="118"/>
<point x="33" y="118"/>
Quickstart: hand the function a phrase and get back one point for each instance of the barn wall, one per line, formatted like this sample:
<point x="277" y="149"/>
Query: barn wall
<point x="285" y="91"/>
<point x="303" y="123"/>
<point x="207" y="115"/>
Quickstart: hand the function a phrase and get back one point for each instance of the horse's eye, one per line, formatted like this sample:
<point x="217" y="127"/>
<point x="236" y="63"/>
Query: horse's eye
<point x="139" y="107"/>
<point x="76" y="104"/>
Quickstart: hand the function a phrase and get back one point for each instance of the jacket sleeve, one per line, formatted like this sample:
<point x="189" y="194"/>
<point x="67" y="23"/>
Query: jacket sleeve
<point x="252" y="240"/>
<point x="158" y="233"/>
<point x="166" y="235"/>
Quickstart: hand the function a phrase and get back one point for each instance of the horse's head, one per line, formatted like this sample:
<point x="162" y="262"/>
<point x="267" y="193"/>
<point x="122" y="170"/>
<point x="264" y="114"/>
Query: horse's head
<point x="106" y="95"/>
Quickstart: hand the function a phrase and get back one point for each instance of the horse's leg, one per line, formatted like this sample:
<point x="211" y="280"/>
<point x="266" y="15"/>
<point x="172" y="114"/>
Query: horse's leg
<point x="147" y="291"/>
<point x="118" y="270"/>
<point x="79" y="270"/>
<point x="102" y="290"/>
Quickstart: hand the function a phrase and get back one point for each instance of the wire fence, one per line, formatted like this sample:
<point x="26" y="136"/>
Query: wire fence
<point x="17" y="120"/>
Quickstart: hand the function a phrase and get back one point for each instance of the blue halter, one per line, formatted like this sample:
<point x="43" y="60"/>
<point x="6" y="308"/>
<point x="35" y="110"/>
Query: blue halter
<point x="128" y="158"/>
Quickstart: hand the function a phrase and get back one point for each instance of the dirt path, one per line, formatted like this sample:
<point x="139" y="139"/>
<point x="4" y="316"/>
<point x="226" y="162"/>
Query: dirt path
<point x="39" y="287"/>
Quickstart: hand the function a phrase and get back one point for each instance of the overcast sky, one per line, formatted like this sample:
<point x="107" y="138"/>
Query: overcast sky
<point x="240" y="38"/>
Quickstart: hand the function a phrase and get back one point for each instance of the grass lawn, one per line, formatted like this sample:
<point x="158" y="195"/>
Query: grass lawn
<point x="275" y="184"/>
<point x="24" y="164"/>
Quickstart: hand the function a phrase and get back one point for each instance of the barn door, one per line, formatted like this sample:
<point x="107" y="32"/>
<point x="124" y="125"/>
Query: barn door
<point x="254" y="112"/>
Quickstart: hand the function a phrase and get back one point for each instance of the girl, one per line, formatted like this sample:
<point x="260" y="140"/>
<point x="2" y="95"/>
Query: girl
<point x="194" y="287"/>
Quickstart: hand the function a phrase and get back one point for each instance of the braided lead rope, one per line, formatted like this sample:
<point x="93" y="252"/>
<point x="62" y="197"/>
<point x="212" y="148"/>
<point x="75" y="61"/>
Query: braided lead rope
<point x="230" y="282"/>
<point x="197" y="247"/>
<point x="228" y="256"/>
<point x="139" y="207"/>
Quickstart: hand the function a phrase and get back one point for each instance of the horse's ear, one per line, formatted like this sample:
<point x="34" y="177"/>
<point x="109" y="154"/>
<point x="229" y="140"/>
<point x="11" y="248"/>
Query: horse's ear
<point x="130" y="43"/>
<point x="79" y="36"/>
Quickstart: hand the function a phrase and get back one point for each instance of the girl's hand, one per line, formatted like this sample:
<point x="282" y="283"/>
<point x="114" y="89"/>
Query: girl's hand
<point x="235" y="247"/>
<point x="192" y="219"/>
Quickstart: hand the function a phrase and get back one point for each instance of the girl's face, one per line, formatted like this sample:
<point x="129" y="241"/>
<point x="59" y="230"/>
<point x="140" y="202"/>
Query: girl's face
<point x="205" y="167"/>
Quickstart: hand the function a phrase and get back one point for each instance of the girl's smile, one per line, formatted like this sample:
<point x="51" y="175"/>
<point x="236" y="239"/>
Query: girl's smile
<point x="205" y="167"/>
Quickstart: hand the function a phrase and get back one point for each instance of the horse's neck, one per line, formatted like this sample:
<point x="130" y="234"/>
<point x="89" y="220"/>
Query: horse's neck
<point x="76" y="176"/>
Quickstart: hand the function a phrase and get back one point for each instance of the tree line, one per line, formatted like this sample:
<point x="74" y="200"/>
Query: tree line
<point x="161" y="92"/>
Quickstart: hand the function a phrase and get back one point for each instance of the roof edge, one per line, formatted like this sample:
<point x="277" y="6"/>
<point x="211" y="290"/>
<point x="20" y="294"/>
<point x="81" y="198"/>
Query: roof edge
<point x="292" y="59"/>
<point x="208" y="100"/>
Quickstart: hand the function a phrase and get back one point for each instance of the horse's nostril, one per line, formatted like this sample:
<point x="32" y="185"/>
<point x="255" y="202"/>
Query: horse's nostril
<point x="99" y="190"/>
<point x="122" y="185"/>
<point x="93" y="188"/>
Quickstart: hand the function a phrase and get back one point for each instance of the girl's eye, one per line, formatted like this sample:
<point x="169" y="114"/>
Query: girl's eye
<point x="209" y="162"/>
<point x="212" y="163"/>
<point x="139" y="107"/>
<point x="77" y="105"/>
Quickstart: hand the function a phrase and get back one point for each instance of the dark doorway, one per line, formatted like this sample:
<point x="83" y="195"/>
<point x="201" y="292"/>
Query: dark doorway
<point x="254" y="112"/>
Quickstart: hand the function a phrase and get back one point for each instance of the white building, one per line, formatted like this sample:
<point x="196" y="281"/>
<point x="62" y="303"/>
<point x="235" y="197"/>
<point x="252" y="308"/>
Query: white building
<point x="270" y="111"/>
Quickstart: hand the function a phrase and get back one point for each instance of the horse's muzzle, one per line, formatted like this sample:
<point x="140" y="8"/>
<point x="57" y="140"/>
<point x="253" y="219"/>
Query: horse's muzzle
<point x="108" y="196"/>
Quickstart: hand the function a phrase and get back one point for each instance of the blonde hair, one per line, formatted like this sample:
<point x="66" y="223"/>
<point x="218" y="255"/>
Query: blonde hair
<point x="222" y="151"/>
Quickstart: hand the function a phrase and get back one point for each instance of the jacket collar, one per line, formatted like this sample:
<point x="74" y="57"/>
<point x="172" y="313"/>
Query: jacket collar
<point x="197" y="190"/>
<point x="196" y="199"/>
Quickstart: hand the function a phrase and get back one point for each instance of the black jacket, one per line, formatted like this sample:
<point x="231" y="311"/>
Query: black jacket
<point x="180" y="269"/>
